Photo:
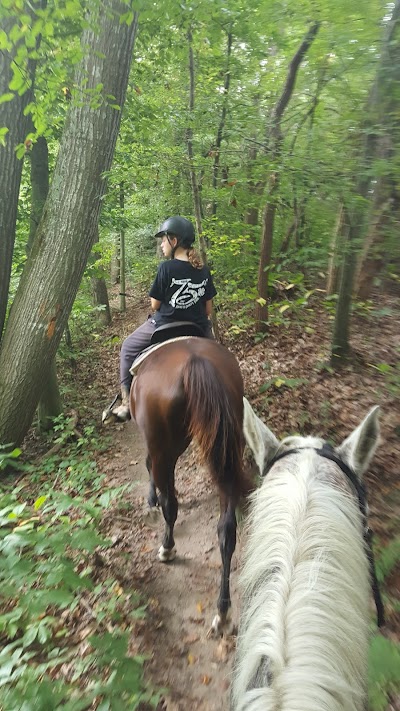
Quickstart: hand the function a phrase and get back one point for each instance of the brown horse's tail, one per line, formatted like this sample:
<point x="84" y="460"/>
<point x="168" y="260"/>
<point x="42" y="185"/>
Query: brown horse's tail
<point x="214" y="425"/>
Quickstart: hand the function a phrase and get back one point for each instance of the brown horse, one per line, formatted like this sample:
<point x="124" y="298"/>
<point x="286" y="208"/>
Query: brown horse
<point x="188" y="389"/>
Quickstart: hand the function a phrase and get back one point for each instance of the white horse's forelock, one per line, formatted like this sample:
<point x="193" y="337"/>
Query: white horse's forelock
<point x="303" y="634"/>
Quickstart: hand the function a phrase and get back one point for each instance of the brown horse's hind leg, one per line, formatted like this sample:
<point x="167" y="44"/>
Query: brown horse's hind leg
<point x="227" y="544"/>
<point x="164" y="479"/>
<point x="152" y="498"/>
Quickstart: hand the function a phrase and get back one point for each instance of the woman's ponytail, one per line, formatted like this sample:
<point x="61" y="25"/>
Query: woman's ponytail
<point x="194" y="258"/>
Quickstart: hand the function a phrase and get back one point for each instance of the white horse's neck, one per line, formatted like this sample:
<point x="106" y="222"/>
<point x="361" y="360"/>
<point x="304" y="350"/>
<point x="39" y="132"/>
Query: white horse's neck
<point x="303" y="635"/>
<point x="305" y="588"/>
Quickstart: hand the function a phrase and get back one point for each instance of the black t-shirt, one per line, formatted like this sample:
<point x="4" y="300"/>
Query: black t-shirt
<point x="183" y="291"/>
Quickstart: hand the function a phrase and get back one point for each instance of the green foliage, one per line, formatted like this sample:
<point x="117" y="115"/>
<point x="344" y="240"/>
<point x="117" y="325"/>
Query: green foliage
<point x="388" y="558"/>
<point x="329" y="303"/>
<point x="384" y="672"/>
<point x="391" y="375"/>
<point x="9" y="457"/>
<point x="48" y="578"/>
<point x="384" y="654"/>
<point x="281" y="382"/>
<point x="320" y="132"/>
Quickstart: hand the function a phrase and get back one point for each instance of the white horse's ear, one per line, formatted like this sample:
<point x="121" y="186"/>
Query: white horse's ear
<point x="260" y="439"/>
<point x="358" y="449"/>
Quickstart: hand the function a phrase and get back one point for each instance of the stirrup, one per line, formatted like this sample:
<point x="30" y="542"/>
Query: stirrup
<point x="107" y="414"/>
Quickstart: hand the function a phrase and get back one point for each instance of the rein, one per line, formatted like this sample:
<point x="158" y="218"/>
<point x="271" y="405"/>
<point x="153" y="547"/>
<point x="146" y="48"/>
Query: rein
<point x="327" y="452"/>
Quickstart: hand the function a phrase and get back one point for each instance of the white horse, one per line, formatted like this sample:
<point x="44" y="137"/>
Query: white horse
<point x="305" y="585"/>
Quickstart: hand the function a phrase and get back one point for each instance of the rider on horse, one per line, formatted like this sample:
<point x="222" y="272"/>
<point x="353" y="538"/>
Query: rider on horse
<point x="182" y="291"/>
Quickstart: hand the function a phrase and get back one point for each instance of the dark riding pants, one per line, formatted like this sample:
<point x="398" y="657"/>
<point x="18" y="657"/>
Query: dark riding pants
<point x="134" y="344"/>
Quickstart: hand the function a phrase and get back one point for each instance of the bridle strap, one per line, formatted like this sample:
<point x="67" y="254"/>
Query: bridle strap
<point x="327" y="452"/>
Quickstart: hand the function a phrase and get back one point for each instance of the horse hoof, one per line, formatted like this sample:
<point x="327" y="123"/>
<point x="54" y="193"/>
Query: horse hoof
<point x="166" y="554"/>
<point x="152" y="513"/>
<point x="152" y="518"/>
<point x="217" y="626"/>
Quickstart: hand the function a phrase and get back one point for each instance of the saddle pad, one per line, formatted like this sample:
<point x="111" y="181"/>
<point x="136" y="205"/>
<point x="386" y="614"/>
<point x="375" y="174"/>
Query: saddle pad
<point x="139" y="360"/>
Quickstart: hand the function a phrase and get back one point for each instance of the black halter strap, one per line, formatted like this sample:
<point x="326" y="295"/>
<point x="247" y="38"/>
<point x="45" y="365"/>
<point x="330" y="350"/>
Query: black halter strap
<point x="327" y="452"/>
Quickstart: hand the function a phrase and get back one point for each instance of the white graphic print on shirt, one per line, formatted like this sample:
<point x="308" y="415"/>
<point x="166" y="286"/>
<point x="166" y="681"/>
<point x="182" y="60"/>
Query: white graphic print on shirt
<point x="188" y="294"/>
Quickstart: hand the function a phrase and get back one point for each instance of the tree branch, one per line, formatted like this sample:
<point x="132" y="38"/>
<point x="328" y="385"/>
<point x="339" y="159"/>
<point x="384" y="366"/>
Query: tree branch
<point x="292" y="73"/>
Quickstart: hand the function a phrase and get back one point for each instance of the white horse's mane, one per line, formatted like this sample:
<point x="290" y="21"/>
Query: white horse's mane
<point x="303" y="634"/>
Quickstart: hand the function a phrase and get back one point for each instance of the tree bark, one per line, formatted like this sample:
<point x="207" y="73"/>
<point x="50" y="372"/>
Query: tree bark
<point x="122" y="299"/>
<point x="370" y="262"/>
<point x="100" y="293"/>
<point x="221" y="127"/>
<point x="387" y="72"/>
<point x="298" y="226"/>
<point x="385" y="103"/>
<point x="288" y="236"/>
<point x="39" y="185"/>
<point x="193" y="177"/>
<point x="340" y="234"/>
<point x="274" y="142"/>
<point x="255" y="186"/>
<point x="115" y="262"/>
<point x="50" y="405"/>
<point x="69" y="224"/>
<point x="12" y="117"/>
<point x="100" y="298"/>
<point x="256" y="190"/>
<point x="340" y="342"/>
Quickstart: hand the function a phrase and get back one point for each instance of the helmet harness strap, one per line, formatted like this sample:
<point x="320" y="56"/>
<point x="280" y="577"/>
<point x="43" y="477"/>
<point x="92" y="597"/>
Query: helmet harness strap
<point x="172" y="248"/>
<point x="178" y="244"/>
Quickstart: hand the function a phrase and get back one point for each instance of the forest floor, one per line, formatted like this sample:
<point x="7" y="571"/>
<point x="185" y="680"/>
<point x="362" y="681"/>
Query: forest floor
<point x="293" y="391"/>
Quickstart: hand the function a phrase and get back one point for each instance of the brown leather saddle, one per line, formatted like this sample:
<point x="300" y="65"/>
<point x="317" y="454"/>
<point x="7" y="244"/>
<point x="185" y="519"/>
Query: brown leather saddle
<point x="175" y="329"/>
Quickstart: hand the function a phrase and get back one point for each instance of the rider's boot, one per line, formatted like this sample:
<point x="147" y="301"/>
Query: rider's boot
<point x="122" y="412"/>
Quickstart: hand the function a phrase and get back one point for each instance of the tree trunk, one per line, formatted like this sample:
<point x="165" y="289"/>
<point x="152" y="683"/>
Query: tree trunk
<point x="122" y="299"/>
<point x="265" y="256"/>
<point x="70" y="346"/>
<point x="298" y="227"/>
<point x="12" y="117"/>
<point x="371" y="261"/>
<point x="50" y="405"/>
<point x="380" y="98"/>
<point x="115" y="262"/>
<point x="288" y="236"/>
<point x="221" y="127"/>
<point x="384" y="102"/>
<point x="251" y="217"/>
<point x="256" y="190"/>
<point x="99" y="293"/>
<point x="193" y="178"/>
<point x="69" y="224"/>
<point x="340" y="341"/>
<point x="340" y="234"/>
<point x="255" y="187"/>
<point x="274" y="141"/>
<point x="39" y="185"/>
<point x="100" y="299"/>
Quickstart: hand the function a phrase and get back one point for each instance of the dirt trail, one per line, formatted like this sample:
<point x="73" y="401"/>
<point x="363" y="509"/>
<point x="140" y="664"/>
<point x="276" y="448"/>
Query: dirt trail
<point x="193" y="669"/>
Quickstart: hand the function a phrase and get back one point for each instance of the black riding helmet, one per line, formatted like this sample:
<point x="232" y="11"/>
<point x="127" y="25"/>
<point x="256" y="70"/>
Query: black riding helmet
<point x="179" y="227"/>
